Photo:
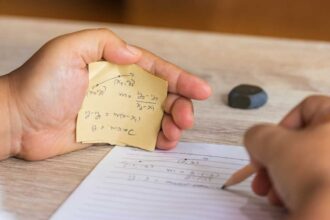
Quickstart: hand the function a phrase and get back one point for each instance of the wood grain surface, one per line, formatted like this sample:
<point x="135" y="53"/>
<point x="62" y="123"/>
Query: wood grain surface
<point x="288" y="70"/>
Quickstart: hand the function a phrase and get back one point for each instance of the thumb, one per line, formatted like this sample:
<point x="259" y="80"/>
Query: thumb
<point x="99" y="44"/>
<point x="265" y="142"/>
<point x="113" y="48"/>
<point x="120" y="52"/>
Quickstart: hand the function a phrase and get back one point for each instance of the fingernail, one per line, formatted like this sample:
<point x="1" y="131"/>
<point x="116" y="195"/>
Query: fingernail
<point x="135" y="51"/>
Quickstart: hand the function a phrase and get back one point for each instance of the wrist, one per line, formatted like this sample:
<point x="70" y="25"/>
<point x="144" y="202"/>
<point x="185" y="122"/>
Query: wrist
<point x="9" y="130"/>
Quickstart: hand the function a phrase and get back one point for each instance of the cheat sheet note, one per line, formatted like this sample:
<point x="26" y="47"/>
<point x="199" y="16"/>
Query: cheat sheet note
<point x="123" y="106"/>
<point x="183" y="183"/>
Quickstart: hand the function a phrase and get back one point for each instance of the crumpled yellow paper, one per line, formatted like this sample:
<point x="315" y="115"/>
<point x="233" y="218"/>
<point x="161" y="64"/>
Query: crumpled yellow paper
<point x="124" y="105"/>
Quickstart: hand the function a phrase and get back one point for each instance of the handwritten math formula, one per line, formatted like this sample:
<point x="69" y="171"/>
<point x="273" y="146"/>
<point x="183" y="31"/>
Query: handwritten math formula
<point x="170" y="168"/>
<point x="118" y="86"/>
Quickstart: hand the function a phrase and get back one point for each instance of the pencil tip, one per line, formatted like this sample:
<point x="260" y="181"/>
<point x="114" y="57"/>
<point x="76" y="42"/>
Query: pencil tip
<point x="223" y="187"/>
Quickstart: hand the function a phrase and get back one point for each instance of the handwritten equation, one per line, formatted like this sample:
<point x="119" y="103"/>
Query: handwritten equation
<point x="108" y="87"/>
<point x="119" y="80"/>
<point x="115" y="129"/>
<point x="98" y="115"/>
<point x="189" y="170"/>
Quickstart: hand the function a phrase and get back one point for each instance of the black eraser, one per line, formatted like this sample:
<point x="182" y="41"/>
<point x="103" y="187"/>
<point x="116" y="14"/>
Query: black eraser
<point x="246" y="96"/>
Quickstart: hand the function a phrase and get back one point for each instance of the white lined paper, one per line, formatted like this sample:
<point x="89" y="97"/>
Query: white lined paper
<point x="183" y="183"/>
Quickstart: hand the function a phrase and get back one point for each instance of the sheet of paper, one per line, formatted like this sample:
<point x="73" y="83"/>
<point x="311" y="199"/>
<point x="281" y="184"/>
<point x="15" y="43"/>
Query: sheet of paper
<point x="123" y="106"/>
<point x="183" y="183"/>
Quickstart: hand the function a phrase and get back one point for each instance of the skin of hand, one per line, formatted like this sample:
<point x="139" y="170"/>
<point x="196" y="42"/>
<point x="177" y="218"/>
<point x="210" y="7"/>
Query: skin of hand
<point x="45" y="94"/>
<point x="293" y="159"/>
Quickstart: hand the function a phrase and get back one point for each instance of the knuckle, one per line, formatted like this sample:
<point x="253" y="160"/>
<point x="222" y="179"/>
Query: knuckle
<point x="103" y="30"/>
<point x="319" y="104"/>
<point x="251" y="133"/>
<point x="312" y="99"/>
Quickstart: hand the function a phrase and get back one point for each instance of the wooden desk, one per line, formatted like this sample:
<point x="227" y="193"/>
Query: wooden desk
<point x="288" y="70"/>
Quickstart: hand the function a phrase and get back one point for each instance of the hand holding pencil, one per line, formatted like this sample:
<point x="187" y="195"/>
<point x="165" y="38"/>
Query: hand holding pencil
<point x="292" y="160"/>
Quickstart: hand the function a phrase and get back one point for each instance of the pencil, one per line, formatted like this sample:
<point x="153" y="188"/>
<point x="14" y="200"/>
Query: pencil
<point x="239" y="176"/>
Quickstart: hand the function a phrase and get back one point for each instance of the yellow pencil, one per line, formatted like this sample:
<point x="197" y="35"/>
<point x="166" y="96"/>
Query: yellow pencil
<point x="239" y="176"/>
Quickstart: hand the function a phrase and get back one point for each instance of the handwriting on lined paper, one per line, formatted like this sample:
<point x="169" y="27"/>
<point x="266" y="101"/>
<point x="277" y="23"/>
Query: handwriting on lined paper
<point x="184" y="183"/>
<point x="123" y="105"/>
